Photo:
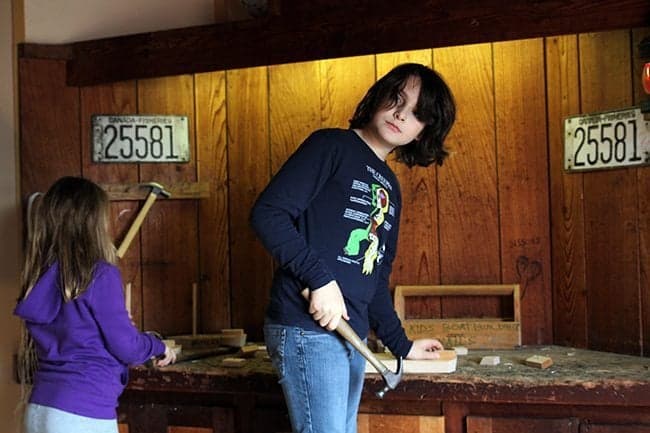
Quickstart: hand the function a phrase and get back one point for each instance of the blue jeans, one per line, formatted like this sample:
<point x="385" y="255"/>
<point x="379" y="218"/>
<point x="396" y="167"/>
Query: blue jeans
<point x="321" y="376"/>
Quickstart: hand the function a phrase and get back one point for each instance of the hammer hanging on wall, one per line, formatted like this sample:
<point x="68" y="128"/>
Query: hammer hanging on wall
<point x="156" y="190"/>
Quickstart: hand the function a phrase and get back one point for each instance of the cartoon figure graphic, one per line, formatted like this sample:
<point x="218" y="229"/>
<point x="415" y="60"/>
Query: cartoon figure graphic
<point x="380" y="202"/>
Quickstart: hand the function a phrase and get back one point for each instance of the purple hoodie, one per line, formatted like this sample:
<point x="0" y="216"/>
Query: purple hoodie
<point x="84" y="346"/>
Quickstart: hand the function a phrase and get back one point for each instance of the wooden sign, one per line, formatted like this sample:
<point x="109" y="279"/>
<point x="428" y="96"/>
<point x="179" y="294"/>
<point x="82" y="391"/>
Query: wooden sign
<point x="473" y="333"/>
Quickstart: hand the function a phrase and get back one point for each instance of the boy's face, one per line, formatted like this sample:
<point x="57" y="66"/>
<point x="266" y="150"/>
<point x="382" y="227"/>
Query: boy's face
<point x="396" y="126"/>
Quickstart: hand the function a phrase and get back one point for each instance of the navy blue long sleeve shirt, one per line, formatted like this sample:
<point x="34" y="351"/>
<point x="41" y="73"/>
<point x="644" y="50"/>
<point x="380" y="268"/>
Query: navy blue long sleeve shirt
<point x="332" y="213"/>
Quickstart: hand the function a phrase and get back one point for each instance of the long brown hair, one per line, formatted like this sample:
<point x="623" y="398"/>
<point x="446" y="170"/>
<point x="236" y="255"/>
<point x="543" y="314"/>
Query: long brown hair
<point x="68" y="226"/>
<point x="435" y="108"/>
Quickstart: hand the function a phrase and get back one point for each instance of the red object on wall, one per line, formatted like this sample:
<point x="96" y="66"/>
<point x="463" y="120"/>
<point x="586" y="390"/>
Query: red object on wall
<point x="645" y="78"/>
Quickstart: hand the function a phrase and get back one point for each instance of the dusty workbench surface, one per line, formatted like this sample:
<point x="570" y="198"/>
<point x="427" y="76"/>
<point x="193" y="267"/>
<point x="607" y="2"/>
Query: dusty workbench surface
<point x="576" y="377"/>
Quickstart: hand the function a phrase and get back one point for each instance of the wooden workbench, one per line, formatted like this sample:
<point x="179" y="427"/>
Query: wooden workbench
<point x="583" y="391"/>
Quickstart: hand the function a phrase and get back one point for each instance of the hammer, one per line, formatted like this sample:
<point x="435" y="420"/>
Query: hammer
<point x="390" y="379"/>
<point x="156" y="190"/>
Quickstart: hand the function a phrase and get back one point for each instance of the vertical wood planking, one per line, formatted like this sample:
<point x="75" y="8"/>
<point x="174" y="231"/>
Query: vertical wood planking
<point x="611" y="213"/>
<point x="522" y="164"/>
<point x="643" y="186"/>
<point x="467" y="183"/>
<point x="55" y="142"/>
<point x="376" y="423"/>
<point x="49" y="125"/>
<point x="566" y="198"/>
<point x="417" y="260"/>
<point x="169" y="233"/>
<point x="249" y="171"/>
<point x="344" y="82"/>
<point x="117" y="98"/>
<point x="212" y="167"/>
<point x="294" y="108"/>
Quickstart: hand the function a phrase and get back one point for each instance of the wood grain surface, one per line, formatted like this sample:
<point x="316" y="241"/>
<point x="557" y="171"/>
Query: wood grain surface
<point x="501" y="209"/>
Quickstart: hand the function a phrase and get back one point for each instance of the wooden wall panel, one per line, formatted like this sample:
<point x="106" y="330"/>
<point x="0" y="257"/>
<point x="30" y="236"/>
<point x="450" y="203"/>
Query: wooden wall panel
<point x="611" y="213"/>
<point x="418" y="259"/>
<point x="344" y="82"/>
<point x="566" y="198"/>
<point x="483" y="216"/>
<point x="169" y="233"/>
<point x="370" y="423"/>
<point x="643" y="179"/>
<point x="249" y="172"/>
<point x="118" y="98"/>
<point x="49" y="125"/>
<point x="212" y="167"/>
<point x="479" y="424"/>
<point x="294" y="108"/>
<point x="468" y="211"/>
<point x="523" y="181"/>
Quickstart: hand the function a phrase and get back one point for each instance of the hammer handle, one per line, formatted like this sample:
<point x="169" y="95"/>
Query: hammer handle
<point x="348" y="333"/>
<point x="136" y="225"/>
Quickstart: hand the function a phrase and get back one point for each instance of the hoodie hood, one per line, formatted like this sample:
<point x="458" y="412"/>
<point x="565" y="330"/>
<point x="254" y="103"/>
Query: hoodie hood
<point x="43" y="302"/>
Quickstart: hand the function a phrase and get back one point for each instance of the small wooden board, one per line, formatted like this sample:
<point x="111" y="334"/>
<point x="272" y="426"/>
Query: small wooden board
<point x="445" y="364"/>
<point x="210" y="340"/>
<point x="538" y="361"/>
<point x="473" y="333"/>
<point x="233" y="362"/>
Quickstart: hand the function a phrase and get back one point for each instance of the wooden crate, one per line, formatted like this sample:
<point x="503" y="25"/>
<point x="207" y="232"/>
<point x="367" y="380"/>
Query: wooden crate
<point x="473" y="333"/>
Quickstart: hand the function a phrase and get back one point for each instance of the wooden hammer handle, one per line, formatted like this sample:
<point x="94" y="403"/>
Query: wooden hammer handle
<point x="136" y="225"/>
<point x="346" y="331"/>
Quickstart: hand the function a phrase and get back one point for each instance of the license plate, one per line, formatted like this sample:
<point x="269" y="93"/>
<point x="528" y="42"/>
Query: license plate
<point x="140" y="138"/>
<point x="611" y="139"/>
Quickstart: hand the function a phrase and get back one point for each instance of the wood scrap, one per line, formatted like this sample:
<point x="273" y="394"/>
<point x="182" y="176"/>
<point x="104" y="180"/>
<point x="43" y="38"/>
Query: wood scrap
<point x="446" y="363"/>
<point x="248" y="350"/>
<point x="460" y="350"/>
<point x="490" y="360"/>
<point x="538" y="361"/>
<point x="233" y="362"/>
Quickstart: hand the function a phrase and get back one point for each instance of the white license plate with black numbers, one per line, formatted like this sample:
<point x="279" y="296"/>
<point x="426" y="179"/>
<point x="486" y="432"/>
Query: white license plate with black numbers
<point x="611" y="139"/>
<point x="140" y="138"/>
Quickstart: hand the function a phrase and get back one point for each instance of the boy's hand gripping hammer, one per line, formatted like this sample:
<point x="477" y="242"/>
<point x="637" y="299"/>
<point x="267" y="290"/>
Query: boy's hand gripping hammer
<point x="390" y="379"/>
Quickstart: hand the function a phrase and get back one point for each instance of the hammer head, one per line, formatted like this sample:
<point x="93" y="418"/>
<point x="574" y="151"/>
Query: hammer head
<point x="157" y="189"/>
<point x="391" y="379"/>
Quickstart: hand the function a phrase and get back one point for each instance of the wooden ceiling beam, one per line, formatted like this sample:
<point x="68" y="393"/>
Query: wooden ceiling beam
<point x="298" y="30"/>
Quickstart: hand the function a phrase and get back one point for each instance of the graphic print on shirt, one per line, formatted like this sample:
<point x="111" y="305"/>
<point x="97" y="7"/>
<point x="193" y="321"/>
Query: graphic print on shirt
<point x="368" y="236"/>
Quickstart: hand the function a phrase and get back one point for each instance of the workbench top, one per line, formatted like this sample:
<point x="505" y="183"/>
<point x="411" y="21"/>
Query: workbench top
<point x="576" y="377"/>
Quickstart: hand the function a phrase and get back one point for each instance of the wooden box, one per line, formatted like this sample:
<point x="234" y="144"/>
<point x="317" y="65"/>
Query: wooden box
<point x="473" y="333"/>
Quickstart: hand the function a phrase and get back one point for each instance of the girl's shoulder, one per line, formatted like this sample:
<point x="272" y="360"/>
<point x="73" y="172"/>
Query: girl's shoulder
<point x="105" y="271"/>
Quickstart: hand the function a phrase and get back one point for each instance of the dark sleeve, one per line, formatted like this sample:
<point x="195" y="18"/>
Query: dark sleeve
<point x="122" y="339"/>
<point x="381" y="311"/>
<point x="289" y="193"/>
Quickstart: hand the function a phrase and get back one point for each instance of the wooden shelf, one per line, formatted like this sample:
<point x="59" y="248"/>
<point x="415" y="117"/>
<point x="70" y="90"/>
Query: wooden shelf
<point x="139" y="191"/>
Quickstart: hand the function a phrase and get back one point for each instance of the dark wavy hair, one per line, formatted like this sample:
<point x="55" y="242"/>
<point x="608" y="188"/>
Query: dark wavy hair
<point x="435" y="108"/>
